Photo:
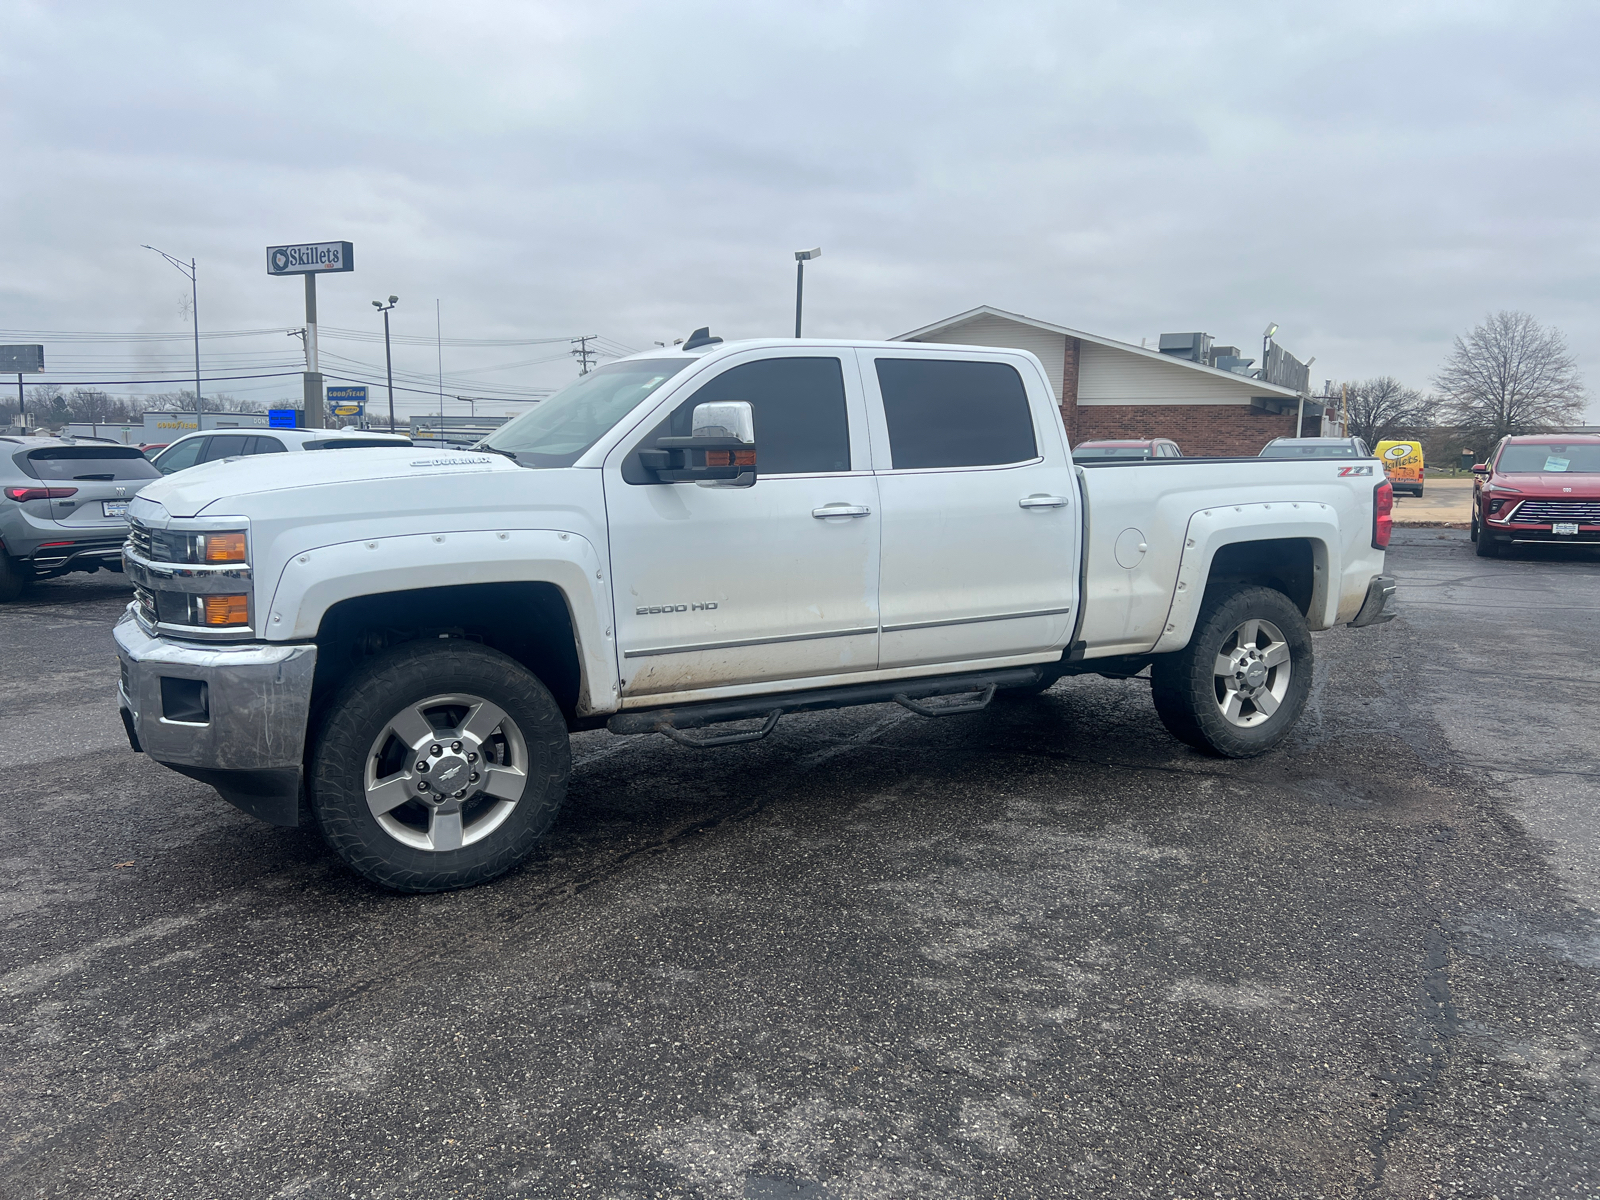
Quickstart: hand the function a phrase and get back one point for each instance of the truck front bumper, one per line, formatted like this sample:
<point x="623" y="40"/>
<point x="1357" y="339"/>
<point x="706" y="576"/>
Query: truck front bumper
<point x="230" y="716"/>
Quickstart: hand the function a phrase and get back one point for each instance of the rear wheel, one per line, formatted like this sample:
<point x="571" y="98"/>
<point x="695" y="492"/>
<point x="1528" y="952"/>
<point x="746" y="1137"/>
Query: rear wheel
<point x="1241" y="683"/>
<point x="440" y="766"/>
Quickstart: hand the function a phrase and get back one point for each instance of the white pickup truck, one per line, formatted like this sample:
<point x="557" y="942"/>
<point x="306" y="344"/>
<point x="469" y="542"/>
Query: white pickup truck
<point x="395" y="644"/>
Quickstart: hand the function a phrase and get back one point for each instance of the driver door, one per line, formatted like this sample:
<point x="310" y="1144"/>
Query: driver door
<point x="722" y="586"/>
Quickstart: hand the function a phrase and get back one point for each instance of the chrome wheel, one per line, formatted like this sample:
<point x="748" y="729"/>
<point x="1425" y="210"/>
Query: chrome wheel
<point x="445" y="772"/>
<point x="1252" y="673"/>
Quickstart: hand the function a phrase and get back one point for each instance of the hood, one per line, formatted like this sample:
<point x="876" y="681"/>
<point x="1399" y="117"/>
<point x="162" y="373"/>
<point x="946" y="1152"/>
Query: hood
<point x="189" y="493"/>
<point x="1550" y="483"/>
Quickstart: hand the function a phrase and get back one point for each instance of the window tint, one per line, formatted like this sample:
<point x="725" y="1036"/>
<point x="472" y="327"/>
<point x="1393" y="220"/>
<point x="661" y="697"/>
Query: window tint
<point x="799" y="410"/>
<point x="180" y="455"/>
<point x="943" y="413"/>
<point x="265" y="445"/>
<point x="87" y="462"/>
<point x="226" y="445"/>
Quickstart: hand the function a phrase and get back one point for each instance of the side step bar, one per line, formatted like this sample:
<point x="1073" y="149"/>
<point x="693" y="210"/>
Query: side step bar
<point x="981" y="685"/>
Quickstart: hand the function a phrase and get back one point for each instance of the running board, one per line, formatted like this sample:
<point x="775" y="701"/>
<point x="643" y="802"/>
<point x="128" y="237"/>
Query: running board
<point x="905" y="692"/>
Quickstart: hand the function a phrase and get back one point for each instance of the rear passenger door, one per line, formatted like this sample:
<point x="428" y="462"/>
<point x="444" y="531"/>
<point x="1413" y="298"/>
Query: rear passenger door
<point x="980" y="508"/>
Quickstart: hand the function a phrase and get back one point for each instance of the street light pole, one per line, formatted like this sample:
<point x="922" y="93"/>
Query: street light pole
<point x="194" y="308"/>
<point x="388" y="356"/>
<point x="800" y="257"/>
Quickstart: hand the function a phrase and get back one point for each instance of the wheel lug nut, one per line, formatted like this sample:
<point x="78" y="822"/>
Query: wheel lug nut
<point x="422" y="785"/>
<point x="423" y="765"/>
<point x="436" y="751"/>
<point x="456" y="747"/>
<point x="474" y="777"/>
<point x="472" y="758"/>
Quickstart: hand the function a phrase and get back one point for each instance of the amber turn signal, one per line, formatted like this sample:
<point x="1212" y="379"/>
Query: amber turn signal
<point x="224" y="547"/>
<point x="228" y="610"/>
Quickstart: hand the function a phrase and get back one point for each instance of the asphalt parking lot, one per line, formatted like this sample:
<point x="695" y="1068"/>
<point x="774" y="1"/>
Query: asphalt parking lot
<point x="1040" y="951"/>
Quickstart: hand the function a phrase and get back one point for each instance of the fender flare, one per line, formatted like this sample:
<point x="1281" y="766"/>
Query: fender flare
<point x="313" y="580"/>
<point x="1213" y="528"/>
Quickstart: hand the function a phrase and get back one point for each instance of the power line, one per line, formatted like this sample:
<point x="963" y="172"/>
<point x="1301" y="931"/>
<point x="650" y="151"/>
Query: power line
<point x="583" y="354"/>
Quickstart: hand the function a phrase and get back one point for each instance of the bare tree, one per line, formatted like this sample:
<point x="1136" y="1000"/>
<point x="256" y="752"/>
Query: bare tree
<point x="1384" y="408"/>
<point x="1510" y="375"/>
<point x="183" y="401"/>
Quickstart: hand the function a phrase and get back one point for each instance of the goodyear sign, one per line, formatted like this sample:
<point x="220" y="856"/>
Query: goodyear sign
<point x="347" y="401"/>
<point x="310" y="258"/>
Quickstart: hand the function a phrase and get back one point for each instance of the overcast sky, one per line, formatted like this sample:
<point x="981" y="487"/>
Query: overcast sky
<point x="1374" y="177"/>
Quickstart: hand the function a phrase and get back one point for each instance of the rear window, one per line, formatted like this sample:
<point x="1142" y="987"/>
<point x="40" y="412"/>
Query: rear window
<point x="1299" y="450"/>
<point x="355" y="443"/>
<point x="947" y="413"/>
<point x="1555" y="458"/>
<point x="1111" y="452"/>
<point x="87" y="462"/>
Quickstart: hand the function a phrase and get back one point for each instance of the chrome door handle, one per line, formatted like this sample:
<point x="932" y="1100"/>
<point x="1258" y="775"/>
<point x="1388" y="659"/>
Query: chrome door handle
<point x="841" y="510"/>
<point x="1042" y="501"/>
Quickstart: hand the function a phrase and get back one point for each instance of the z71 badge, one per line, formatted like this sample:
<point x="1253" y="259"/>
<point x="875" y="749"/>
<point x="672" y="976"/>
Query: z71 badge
<point x="1344" y="471"/>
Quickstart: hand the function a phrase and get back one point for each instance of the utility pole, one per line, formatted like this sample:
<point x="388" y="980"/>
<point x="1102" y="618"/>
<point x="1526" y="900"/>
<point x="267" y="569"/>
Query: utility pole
<point x="194" y="307"/>
<point x="583" y="354"/>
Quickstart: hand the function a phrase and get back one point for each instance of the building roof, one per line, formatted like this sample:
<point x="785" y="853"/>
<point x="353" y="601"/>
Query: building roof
<point x="1259" y="386"/>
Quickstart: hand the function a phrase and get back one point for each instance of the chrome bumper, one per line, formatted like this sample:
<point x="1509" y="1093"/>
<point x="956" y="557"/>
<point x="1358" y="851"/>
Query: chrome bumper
<point x="242" y="731"/>
<point x="1375" y="609"/>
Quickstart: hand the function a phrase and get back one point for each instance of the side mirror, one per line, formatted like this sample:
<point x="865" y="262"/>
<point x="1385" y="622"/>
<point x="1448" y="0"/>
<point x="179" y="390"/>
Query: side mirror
<point x="1481" y="469"/>
<point x="720" y="448"/>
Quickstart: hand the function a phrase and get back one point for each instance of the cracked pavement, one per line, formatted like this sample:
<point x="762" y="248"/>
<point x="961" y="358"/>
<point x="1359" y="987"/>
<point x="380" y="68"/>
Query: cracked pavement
<point x="1042" y="950"/>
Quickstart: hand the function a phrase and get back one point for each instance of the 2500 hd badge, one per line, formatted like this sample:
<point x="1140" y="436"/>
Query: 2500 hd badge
<point x="672" y="608"/>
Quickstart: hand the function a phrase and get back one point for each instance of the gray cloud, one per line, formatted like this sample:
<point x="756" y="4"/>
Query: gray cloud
<point x="1373" y="177"/>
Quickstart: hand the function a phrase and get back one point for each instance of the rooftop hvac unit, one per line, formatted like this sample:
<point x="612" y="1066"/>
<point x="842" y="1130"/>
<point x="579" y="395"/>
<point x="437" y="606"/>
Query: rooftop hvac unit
<point x="1196" y="347"/>
<point x="1222" y="352"/>
<point x="1232" y="362"/>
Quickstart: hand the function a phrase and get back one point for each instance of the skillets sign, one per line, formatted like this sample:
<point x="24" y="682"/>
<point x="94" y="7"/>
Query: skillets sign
<point x="310" y="258"/>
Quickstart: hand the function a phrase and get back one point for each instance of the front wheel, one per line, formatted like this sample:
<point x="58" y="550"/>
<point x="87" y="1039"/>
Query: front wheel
<point x="1241" y="683"/>
<point x="440" y="765"/>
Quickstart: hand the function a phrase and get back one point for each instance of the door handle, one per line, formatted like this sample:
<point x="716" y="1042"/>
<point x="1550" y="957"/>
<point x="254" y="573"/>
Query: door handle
<point x="1042" y="501"/>
<point x="841" y="510"/>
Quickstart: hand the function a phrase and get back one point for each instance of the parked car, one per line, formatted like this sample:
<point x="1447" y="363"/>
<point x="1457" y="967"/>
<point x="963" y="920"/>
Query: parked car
<point x="151" y="449"/>
<point x="213" y="445"/>
<point x="1141" y="448"/>
<point x="699" y="535"/>
<point x="1316" y="447"/>
<point x="1402" y="463"/>
<point x="1537" y="489"/>
<point x="63" y="506"/>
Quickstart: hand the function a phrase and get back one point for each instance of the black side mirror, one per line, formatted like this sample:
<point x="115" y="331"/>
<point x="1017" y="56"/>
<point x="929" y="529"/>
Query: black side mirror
<point x="721" y="448"/>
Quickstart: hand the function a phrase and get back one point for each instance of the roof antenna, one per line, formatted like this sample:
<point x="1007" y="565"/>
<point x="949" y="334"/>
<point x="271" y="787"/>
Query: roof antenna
<point x="701" y="337"/>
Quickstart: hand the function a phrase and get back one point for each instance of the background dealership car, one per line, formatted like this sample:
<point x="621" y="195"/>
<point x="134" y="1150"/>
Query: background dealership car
<point x="1537" y="488"/>
<point x="1137" y="448"/>
<point x="1316" y="447"/>
<point x="213" y="445"/>
<point x="63" y="506"/>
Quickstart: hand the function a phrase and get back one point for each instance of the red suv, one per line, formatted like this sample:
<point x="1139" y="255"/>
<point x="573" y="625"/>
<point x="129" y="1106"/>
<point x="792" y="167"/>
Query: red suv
<point x="1538" y="488"/>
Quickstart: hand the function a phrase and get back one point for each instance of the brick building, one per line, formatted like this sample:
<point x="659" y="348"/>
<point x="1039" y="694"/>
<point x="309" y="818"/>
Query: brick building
<point x="1109" y="389"/>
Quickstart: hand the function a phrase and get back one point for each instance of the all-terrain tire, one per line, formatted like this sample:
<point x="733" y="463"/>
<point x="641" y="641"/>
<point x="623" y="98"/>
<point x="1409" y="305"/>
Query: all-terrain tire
<point x="12" y="578"/>
<point x="365" y="710"/>
<point x="1192" y="698"/>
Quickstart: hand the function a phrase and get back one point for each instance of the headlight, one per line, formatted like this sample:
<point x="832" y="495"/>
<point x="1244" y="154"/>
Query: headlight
<point x="213" y="547"/>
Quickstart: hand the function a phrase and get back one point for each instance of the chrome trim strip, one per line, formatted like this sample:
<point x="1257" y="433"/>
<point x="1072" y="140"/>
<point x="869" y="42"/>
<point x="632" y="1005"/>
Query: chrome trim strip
<point x="1014" y="616"/>
<point x="650" y="651"/>
<point x="193" y="578"/>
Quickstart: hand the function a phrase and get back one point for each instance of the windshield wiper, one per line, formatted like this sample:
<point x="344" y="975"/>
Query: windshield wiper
<point x="496" y="450"/>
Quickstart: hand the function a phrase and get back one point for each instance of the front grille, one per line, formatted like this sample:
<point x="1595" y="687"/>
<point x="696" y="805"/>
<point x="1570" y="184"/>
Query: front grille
<point x="146" y="600"/>
<point x="1544" y="512"/>
<point x="139" y="539"/>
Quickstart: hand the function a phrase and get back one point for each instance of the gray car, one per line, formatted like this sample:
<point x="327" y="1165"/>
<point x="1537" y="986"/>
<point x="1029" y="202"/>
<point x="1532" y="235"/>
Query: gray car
<point x="64" y="505"/>
<point x="1316" y="447"/>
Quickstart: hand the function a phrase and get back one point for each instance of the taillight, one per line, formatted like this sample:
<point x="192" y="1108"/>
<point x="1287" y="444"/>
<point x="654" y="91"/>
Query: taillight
<point x="1382" y="515"/>
<point x="32" y="493"/>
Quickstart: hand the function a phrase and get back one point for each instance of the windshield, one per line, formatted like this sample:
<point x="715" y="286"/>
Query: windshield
<point x="1317" y="450"/>
<point x="1530" y="458"/>
<point x="1111" y="452"/>
<point x="561" y="428"/>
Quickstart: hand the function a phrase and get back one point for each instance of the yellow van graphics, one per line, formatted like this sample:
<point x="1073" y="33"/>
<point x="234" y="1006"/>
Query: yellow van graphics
<point x="1402" y="463"/>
